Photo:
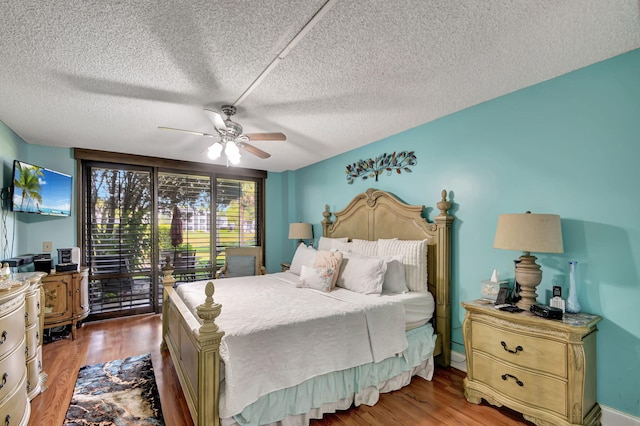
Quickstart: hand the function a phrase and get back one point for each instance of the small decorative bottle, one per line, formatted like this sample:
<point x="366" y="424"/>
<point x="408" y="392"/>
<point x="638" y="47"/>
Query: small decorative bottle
<point x="573" y="306"/>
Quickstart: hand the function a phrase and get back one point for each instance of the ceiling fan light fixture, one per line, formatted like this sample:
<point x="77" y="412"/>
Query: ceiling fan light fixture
<point x="214" y="151"/>
<point x="232" y="152"/>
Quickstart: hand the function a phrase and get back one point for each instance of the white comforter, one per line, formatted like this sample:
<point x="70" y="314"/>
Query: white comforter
<point x="277" y="335"/>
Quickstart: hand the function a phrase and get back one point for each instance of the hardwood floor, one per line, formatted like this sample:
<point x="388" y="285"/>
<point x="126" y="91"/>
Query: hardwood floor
<point x="438" y="402"/>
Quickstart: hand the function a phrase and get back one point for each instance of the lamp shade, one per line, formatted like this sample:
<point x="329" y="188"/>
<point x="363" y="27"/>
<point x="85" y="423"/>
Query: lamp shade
<point x="529" y="232"/>
<point x="300" y="231"/>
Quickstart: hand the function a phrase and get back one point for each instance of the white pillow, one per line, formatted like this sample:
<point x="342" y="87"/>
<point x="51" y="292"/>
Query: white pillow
<point x="331" y="243"/>
<point x="316" y="278"/>
<point x="362" y="274"/>
<point x="303" y="256"/>
<point x="394" y="278"/>
<point x="414" y="254"/>
<point x="364" y="247"/>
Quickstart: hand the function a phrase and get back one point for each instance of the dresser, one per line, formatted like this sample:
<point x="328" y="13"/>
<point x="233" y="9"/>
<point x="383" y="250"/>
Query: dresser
<point x="34" y="322"/>
<point x="66" y="299"/>
<point x="545" y="369"/>
<point x="21" y="374"/>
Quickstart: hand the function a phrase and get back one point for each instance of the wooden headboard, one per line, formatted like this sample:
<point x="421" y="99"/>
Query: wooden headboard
<point x="376" y="214"/>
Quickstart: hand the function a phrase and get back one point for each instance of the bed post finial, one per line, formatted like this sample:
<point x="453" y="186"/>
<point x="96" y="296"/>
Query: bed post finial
<point x="443" y="204"/>
<point x="209" y="311"/>
<point x="326" y="222"/>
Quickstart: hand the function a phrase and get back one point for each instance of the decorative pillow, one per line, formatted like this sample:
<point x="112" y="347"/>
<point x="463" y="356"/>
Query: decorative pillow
<point x="240" y="266"/>
<point x="414" y="254"/>
<point x="316" y="278"/>
<point x="330" y="243"/>
<point x="329" y="259"/>
<point x="394" y="278"/>
<point x="362" y="274"/>
<point x="303" y="256"/>
<point x="364" y="247"/>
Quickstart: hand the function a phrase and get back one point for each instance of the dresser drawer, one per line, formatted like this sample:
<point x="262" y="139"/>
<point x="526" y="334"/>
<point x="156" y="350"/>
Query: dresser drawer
<point x="33" y="374"/>
<point x="33" y="340"/>
<point x="541" y="354"/>
<point x="11" y="331"/>
<point x="32" y="306"/>
<point x="12" y="370"/>
<point x="513" y="382"/>
<point x="14" y="410"/>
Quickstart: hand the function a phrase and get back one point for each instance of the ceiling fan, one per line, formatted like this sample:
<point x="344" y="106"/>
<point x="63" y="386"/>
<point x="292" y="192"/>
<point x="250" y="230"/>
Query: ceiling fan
<point x="230" y="137"/>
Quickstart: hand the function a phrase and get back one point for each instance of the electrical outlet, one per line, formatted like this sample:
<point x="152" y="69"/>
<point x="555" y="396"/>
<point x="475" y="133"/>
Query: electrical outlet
<point x="46" y="246"/>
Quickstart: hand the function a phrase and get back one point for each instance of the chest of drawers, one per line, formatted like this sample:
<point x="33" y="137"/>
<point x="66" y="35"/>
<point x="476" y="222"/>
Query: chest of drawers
<point x="545" y="369"/>
<point x="14" y="400"/>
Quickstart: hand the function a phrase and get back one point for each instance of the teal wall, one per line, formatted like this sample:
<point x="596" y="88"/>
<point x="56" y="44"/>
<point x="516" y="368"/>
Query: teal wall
<point x="568" y="146"/>
<point x="31" y="230"/>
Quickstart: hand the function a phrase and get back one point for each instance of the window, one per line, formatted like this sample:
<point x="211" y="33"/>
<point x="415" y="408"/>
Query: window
<point x="136" y="214"/>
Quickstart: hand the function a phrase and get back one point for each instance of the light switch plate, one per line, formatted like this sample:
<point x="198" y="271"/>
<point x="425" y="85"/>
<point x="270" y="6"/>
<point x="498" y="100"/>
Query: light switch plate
<point x="46" y="246"/>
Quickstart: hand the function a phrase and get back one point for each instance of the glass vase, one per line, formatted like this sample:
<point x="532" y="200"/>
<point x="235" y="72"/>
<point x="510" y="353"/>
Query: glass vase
<point x="573" y="306"/>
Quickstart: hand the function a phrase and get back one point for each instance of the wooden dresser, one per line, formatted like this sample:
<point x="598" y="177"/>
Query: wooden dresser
<point x="545" y="369"/>
<point x="21" y="375"/>
<point x="66" y="299"/>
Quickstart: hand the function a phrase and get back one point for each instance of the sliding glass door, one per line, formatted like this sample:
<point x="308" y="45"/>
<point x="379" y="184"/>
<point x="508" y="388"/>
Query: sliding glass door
<point x="119" y="240"/>
<point x="135" y="218"/>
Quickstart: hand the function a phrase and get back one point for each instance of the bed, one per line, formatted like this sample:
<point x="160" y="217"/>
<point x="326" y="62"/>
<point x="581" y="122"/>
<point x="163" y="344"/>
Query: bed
<point x="378" y="360"/>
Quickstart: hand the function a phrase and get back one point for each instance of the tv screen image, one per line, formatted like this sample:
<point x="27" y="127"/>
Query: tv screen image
<point x="40" y="190"/>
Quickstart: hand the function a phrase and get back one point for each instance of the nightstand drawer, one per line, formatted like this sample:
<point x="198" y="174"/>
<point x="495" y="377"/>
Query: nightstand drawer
<point x="531" y="389"/>
<point x="521" y="350"/>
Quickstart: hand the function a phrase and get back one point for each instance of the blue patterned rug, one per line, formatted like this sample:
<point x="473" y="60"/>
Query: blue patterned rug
<point x="121" y="392"/>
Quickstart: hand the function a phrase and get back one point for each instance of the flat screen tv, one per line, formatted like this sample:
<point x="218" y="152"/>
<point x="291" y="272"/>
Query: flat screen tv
<point x="39" y="190"/>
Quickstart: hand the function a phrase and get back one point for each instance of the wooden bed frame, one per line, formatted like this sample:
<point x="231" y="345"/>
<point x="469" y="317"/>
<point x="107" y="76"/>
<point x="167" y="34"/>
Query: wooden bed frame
<point x="375" y="214"/>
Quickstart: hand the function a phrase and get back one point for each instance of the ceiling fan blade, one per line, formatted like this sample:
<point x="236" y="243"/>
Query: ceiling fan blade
<point x="276" y="136"/>
<point x="216" y="118"/>
<point x="188" y="131"/>
<point x="253" y="150"/>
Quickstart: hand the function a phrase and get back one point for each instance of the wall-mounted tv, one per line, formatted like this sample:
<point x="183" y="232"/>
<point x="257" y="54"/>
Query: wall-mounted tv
<point x="39" y="190"/>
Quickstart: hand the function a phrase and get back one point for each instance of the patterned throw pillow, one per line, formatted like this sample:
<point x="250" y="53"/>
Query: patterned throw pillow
<point x="316" y="278"/>
<point x="329" y="259"/>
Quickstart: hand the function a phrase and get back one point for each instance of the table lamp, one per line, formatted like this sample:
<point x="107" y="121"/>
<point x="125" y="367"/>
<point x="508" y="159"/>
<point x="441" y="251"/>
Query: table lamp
<point x="300" y="231"/>
<point x="528" y="232"/>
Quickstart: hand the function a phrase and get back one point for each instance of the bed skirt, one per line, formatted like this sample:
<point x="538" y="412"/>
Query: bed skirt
<point x="328" y="393"/>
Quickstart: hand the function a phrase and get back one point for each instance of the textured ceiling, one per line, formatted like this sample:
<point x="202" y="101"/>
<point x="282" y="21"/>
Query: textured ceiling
<point x="105" y="74"/>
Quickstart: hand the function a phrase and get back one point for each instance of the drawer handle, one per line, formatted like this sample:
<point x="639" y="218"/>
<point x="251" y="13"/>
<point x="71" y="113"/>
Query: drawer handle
<point x="3" y="338"/>
<point x="518" y="348"/>
<point x="4" y="380"/>
<point x="505" y="376"/>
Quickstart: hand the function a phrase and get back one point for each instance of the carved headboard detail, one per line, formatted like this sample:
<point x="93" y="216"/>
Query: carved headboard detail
<point x="377" y="214"/>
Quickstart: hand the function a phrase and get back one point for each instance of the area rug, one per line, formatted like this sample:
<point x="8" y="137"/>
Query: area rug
<point x="120" y="392"/>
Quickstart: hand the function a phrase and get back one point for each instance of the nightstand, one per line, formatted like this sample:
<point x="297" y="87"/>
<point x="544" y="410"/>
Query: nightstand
<point x="284" y="266"/>
<point x="545" y="369"/>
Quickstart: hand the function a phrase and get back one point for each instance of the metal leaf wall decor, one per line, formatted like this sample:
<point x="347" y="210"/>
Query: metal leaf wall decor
<point x="372" y="168"/>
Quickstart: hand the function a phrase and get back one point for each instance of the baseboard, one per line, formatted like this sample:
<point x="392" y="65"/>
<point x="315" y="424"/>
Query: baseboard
<point x="610" y="417"/>
<point x="459" y="361"/>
